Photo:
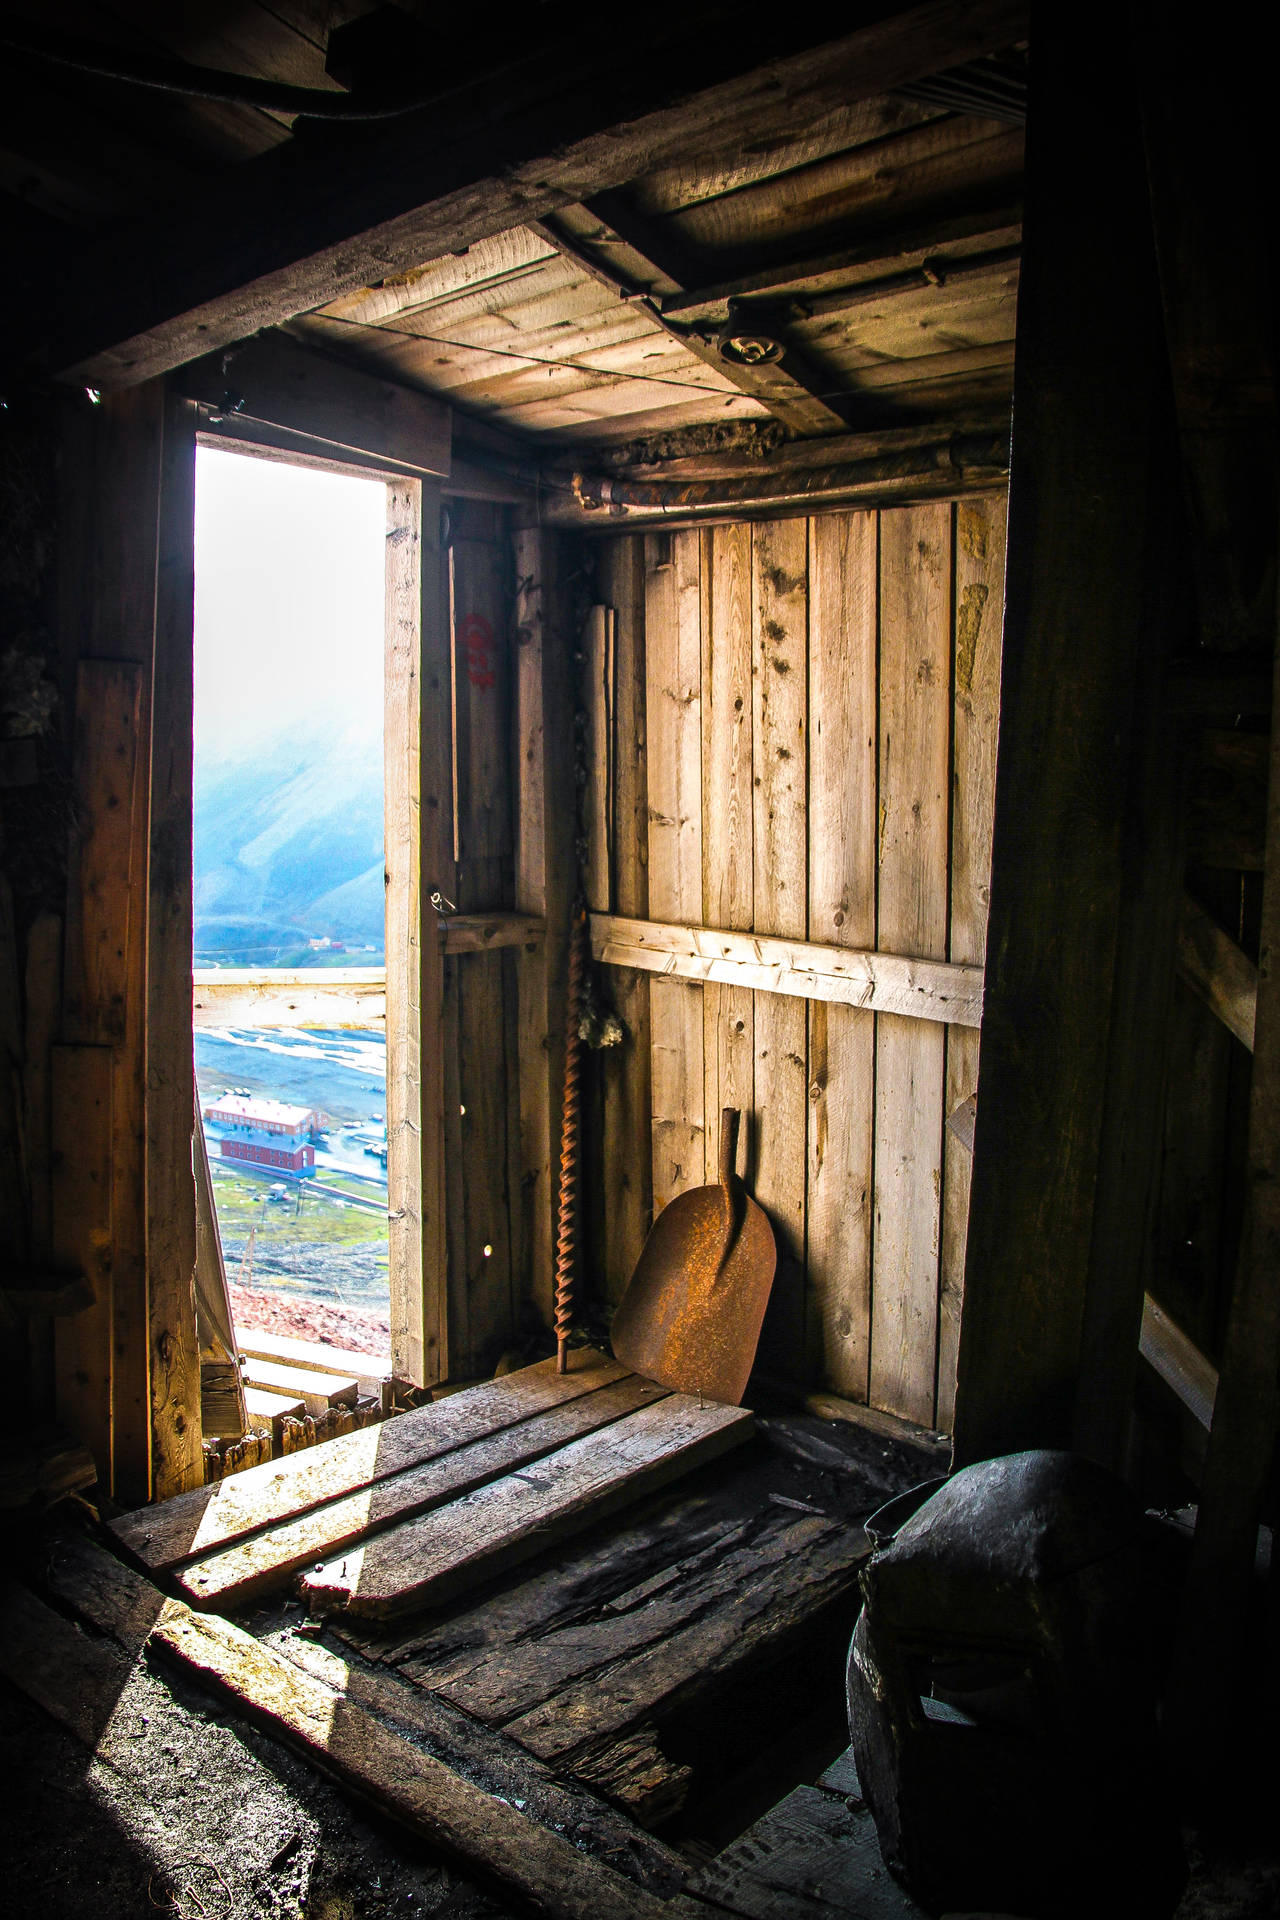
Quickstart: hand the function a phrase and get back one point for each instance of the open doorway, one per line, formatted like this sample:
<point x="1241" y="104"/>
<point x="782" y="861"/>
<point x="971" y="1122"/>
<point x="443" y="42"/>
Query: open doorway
<point x="289" y="891"/>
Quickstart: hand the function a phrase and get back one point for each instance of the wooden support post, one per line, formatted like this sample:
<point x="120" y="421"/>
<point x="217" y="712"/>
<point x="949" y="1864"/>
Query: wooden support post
<point x="544" y="885"/>
<point x="419" y="852"/>
<point x="1205" y="122"/>
<point x="1086" y="394"/>
<point x="177" y="1458"/>
<point x="125" y="605"/>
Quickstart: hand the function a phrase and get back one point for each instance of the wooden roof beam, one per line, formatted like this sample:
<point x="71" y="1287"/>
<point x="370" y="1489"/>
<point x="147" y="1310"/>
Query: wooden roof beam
<point x="333" y="211"/>
<point x="791" y="388"/>
<point x="978" y="239"/>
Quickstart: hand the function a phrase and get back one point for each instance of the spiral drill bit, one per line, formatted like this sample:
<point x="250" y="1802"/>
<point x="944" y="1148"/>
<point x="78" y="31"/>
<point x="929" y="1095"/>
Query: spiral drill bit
<point x="568" y="1200"/>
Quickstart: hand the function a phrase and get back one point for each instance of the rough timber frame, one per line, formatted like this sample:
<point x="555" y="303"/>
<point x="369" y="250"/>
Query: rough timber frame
<point x="409" y="997"/>
<point x="560" y="123"/>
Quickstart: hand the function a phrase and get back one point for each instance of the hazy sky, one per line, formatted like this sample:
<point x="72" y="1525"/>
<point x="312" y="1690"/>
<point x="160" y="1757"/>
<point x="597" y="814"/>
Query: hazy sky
<point x="289" y="601"/>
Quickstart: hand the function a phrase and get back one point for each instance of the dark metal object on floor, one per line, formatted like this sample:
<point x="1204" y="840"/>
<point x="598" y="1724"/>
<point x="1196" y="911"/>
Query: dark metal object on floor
<point x="691" y="1316"/>
<point x="1001" y="1726"/>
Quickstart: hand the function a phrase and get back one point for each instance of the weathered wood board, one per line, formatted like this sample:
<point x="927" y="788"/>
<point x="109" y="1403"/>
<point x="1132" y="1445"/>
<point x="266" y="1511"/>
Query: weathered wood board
<point x="820" y="711"/>
<point x="375" y="1758"/>
<point x="425" y="1562"/>
<point x="268" y="1560"/>
<point x="196" y="1523"/>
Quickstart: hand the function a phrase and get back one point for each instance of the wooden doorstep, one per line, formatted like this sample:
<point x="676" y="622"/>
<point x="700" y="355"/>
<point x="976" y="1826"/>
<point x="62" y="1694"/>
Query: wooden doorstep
<point x="427" y="1561"/>
<point x="877" y="982"/>
<point x="318" y="1391"/>
<point x="195" y="1523"/>
<point x="268" y="1560"/>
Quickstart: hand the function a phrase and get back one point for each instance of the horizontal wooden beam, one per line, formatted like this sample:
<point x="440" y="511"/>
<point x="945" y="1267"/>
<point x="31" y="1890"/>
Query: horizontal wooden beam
<point x="482" y="932"/>
<point x="947" y="467"/>
<point x="283" y="386"/>
<point x="311" y="997"/>
<point x="337" y="996"/>
<point x="555" y="119"/>
<point x="46" y="1291"/>
<point x="877" y="982"/>
<point x="993" y="235"/>
<point x="1179" y="1362"/>
<point x="1214" y="967"/>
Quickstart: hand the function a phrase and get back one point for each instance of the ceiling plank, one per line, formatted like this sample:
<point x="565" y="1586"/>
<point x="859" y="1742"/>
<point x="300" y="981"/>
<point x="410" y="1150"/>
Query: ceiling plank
<point x="791" y="388"/>
<point x="561" y="119"/>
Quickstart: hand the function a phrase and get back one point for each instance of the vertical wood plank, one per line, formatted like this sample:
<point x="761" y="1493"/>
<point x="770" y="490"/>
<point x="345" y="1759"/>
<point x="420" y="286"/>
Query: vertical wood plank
<point x="728" y="861"/>
<point x="419" y="851"/>
<point x="42" y="998"/>
<point x="482" y="721"/>
<point x="673" y="701"/>
<point x="81" y="1082"/>
<point x="176" y="1451"/>
<point x="1086" y="413"/>
<point x="625" y="1070"/>
<point x="915" y="702"/>
<point x="779" y="690"/>
<point x="100" y="928"/>
<point x="597" y="706"/>
<point x="979" y="605"/>
<point x="544" y="884"/>
<point x="843" y="786"/>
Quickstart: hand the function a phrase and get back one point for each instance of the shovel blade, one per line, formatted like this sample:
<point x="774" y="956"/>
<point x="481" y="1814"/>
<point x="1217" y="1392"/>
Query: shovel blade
<point x="691" y="1316"/>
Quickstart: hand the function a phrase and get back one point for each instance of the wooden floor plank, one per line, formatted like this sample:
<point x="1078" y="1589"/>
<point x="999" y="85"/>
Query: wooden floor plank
<point x="508" y="1682"/>
<point x="424" y="1562"/>
<point x="707" y="1651"/>
<point x="267" y="1560"/>
<point x="345" y="1740"/>
<point x="195" y="1523"/>
<point x="494" y="1763"/>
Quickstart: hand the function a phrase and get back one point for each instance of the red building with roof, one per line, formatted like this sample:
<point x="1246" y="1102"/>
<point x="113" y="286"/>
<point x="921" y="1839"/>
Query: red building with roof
<point x="264" y="1133"/>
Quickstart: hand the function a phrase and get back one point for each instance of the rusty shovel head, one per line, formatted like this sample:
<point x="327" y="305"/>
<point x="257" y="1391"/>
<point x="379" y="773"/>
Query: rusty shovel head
<point x="691" y="1316"/>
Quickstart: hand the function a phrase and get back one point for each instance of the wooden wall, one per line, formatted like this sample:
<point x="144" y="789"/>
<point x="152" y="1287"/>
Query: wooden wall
<point x="803" y="734"/>
<point x="481" y="1079"/>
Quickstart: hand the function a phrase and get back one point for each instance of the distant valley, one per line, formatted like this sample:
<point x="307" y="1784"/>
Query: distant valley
<point x="289" y="851"/>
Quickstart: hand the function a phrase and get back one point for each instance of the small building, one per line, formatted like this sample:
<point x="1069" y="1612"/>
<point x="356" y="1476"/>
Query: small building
<point x="264" y="1133"/>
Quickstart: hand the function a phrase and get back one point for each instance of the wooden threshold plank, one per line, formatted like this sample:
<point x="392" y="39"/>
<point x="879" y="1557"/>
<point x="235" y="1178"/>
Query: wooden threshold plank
<point x="267" y="1560"/>
<point x="426" y="1561"/>
<point x="318" y="1391"/>
<point x="337" y="1734"/>
<point x="195" y="1523"/>
<point x="367" y="1369"/>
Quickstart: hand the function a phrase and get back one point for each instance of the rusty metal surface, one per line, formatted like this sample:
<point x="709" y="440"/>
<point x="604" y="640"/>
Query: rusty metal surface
<point x="692" y="1314"/>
